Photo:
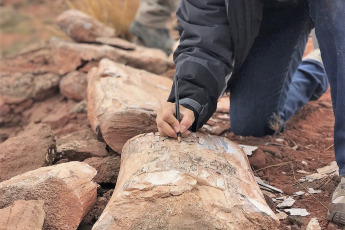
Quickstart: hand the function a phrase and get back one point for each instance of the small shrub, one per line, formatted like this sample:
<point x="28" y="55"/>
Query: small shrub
<point x="118" y="14"/>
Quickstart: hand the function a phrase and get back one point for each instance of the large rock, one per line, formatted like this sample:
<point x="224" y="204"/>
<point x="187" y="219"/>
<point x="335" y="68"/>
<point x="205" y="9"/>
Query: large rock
<point x="66" y="189"/>
<point x="63" y="57"/>
<point x="69" y="56"/>
<point x="45" y="85"/>
<point x="122" y="101"/>
<point x="78" y="146"/>
<point x="107" y="168"/>
<point x="117" y="42"/>
<point x="37" y="59"/>
<point x="74" y="85"/>
<point x="23" y="215"/>
<point x="19" y="90"/>
<point x="30" y="150"/>
<point x="82" y="27"/>
<point x="204" y="182"/>
<point x="16" y="88"/>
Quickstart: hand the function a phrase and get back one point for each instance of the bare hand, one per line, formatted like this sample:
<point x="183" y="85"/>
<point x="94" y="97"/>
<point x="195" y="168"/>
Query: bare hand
<point x="168" y="125"/>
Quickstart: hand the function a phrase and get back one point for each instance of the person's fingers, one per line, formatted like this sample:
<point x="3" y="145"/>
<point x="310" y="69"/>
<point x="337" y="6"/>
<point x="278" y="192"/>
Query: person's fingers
<point x="187" y="119"/>
<point x="169" y="117"/>
<point x="166" y="130"/>
<point x="167" y="124"/>
<point x="186" y="134"/>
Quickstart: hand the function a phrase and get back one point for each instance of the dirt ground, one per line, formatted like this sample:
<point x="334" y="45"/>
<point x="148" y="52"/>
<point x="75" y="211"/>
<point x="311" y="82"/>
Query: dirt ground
<point x="306" y="144"/>
<point x="310" y="132"/>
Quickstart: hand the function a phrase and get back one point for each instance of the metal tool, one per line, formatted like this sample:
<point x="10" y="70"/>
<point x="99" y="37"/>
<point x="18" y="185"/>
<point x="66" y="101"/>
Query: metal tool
<point x="177" y="105"/>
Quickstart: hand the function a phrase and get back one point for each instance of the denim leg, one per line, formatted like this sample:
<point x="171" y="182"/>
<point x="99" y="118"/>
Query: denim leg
<point x="259" y="90"/>
<point x="329" y="19"/>
<point x="308" y="83"/>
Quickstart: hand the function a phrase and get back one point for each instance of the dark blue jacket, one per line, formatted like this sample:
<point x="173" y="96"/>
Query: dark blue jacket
<point x="216" y="37"/>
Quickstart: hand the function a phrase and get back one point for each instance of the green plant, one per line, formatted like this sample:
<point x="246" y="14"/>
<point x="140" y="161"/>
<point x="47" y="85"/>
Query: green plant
<point x="115" y="13"/>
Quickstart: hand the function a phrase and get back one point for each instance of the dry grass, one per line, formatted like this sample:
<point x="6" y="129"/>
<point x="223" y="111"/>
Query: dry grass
<point x="115" y="13"/>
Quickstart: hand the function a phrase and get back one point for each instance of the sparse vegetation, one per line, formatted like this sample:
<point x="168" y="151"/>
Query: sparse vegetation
<point x="116" y="13"/>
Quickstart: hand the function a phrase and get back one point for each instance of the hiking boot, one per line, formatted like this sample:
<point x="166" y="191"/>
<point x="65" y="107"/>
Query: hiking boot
<point x="336" y="211"/>
<point x="153" y="37"/>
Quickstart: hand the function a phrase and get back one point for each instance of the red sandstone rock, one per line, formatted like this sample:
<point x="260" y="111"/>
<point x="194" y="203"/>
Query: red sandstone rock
<point x="4" y="109"/>
<point x="16" y="88"/>
<point x="23" y="215"/>
<point x="66" y="189"/>
<point x="63" y="57"/>
<point x="258" y="159"/>
<point x="204" y="182"/>
<point x="74" y="85"/>
<point x="45" y="85"/>
<point x="30" y="150"/>
<point x="82" y="27"/>
<point x="116" y="42"/>
<point x="37" y="59"/>
<point x="69" y="56"/>
<point x="19" y="90"/>
<point x="107" y="168"/>
<point x="80" y="145"/>
<point x="122" y="101"/>
<point x="22" y="106"/>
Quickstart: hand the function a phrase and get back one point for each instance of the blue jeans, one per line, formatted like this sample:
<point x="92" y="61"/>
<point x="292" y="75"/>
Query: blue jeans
<point x="274" y="83"/>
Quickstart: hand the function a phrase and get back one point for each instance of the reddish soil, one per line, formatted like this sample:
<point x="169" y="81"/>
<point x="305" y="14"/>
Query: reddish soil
<point x="311" y="132"/>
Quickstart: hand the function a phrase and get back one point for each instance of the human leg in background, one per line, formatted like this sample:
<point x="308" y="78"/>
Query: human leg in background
<point x="308" y="83"/>
<point x="156" y="13"/>
<point x="259" y="91"/>
<point x="329" y="18"/>
<point x="150" y="24"/>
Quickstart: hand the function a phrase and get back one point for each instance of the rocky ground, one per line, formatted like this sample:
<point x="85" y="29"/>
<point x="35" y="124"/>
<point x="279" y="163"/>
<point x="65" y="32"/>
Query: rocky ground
<point x="54" y="109"/>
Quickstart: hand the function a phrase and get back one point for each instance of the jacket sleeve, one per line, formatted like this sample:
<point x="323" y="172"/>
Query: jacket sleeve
<point x="203" y="58"/>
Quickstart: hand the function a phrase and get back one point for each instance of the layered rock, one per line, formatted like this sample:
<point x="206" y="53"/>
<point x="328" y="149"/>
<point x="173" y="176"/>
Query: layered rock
<point x="122" y="101"/>
<point x="73" y="86"/>
<point x="66" y="189"/>
<point x="78" y="146"/>
<point x="116" y="42"/>
<point x="18" y="91"/>
<point x="17" y="88"/>
<point x="204" y="182"/>
<point x="107" y="168"/>
<point x="63" y="57"/>
<point x="30" y="150"/>
<point x="23" y="215"/>
<point x="82" y="27"/>
<point x="69" y="56"/>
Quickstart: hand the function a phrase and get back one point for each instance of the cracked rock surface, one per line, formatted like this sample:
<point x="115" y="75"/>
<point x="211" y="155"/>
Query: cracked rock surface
<point x="23" y="215"/>
<point x="66" y="189"/>
<point x="122" y="101"/>
<point x="204" y="182"/>
<point x="32" y="149"/>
